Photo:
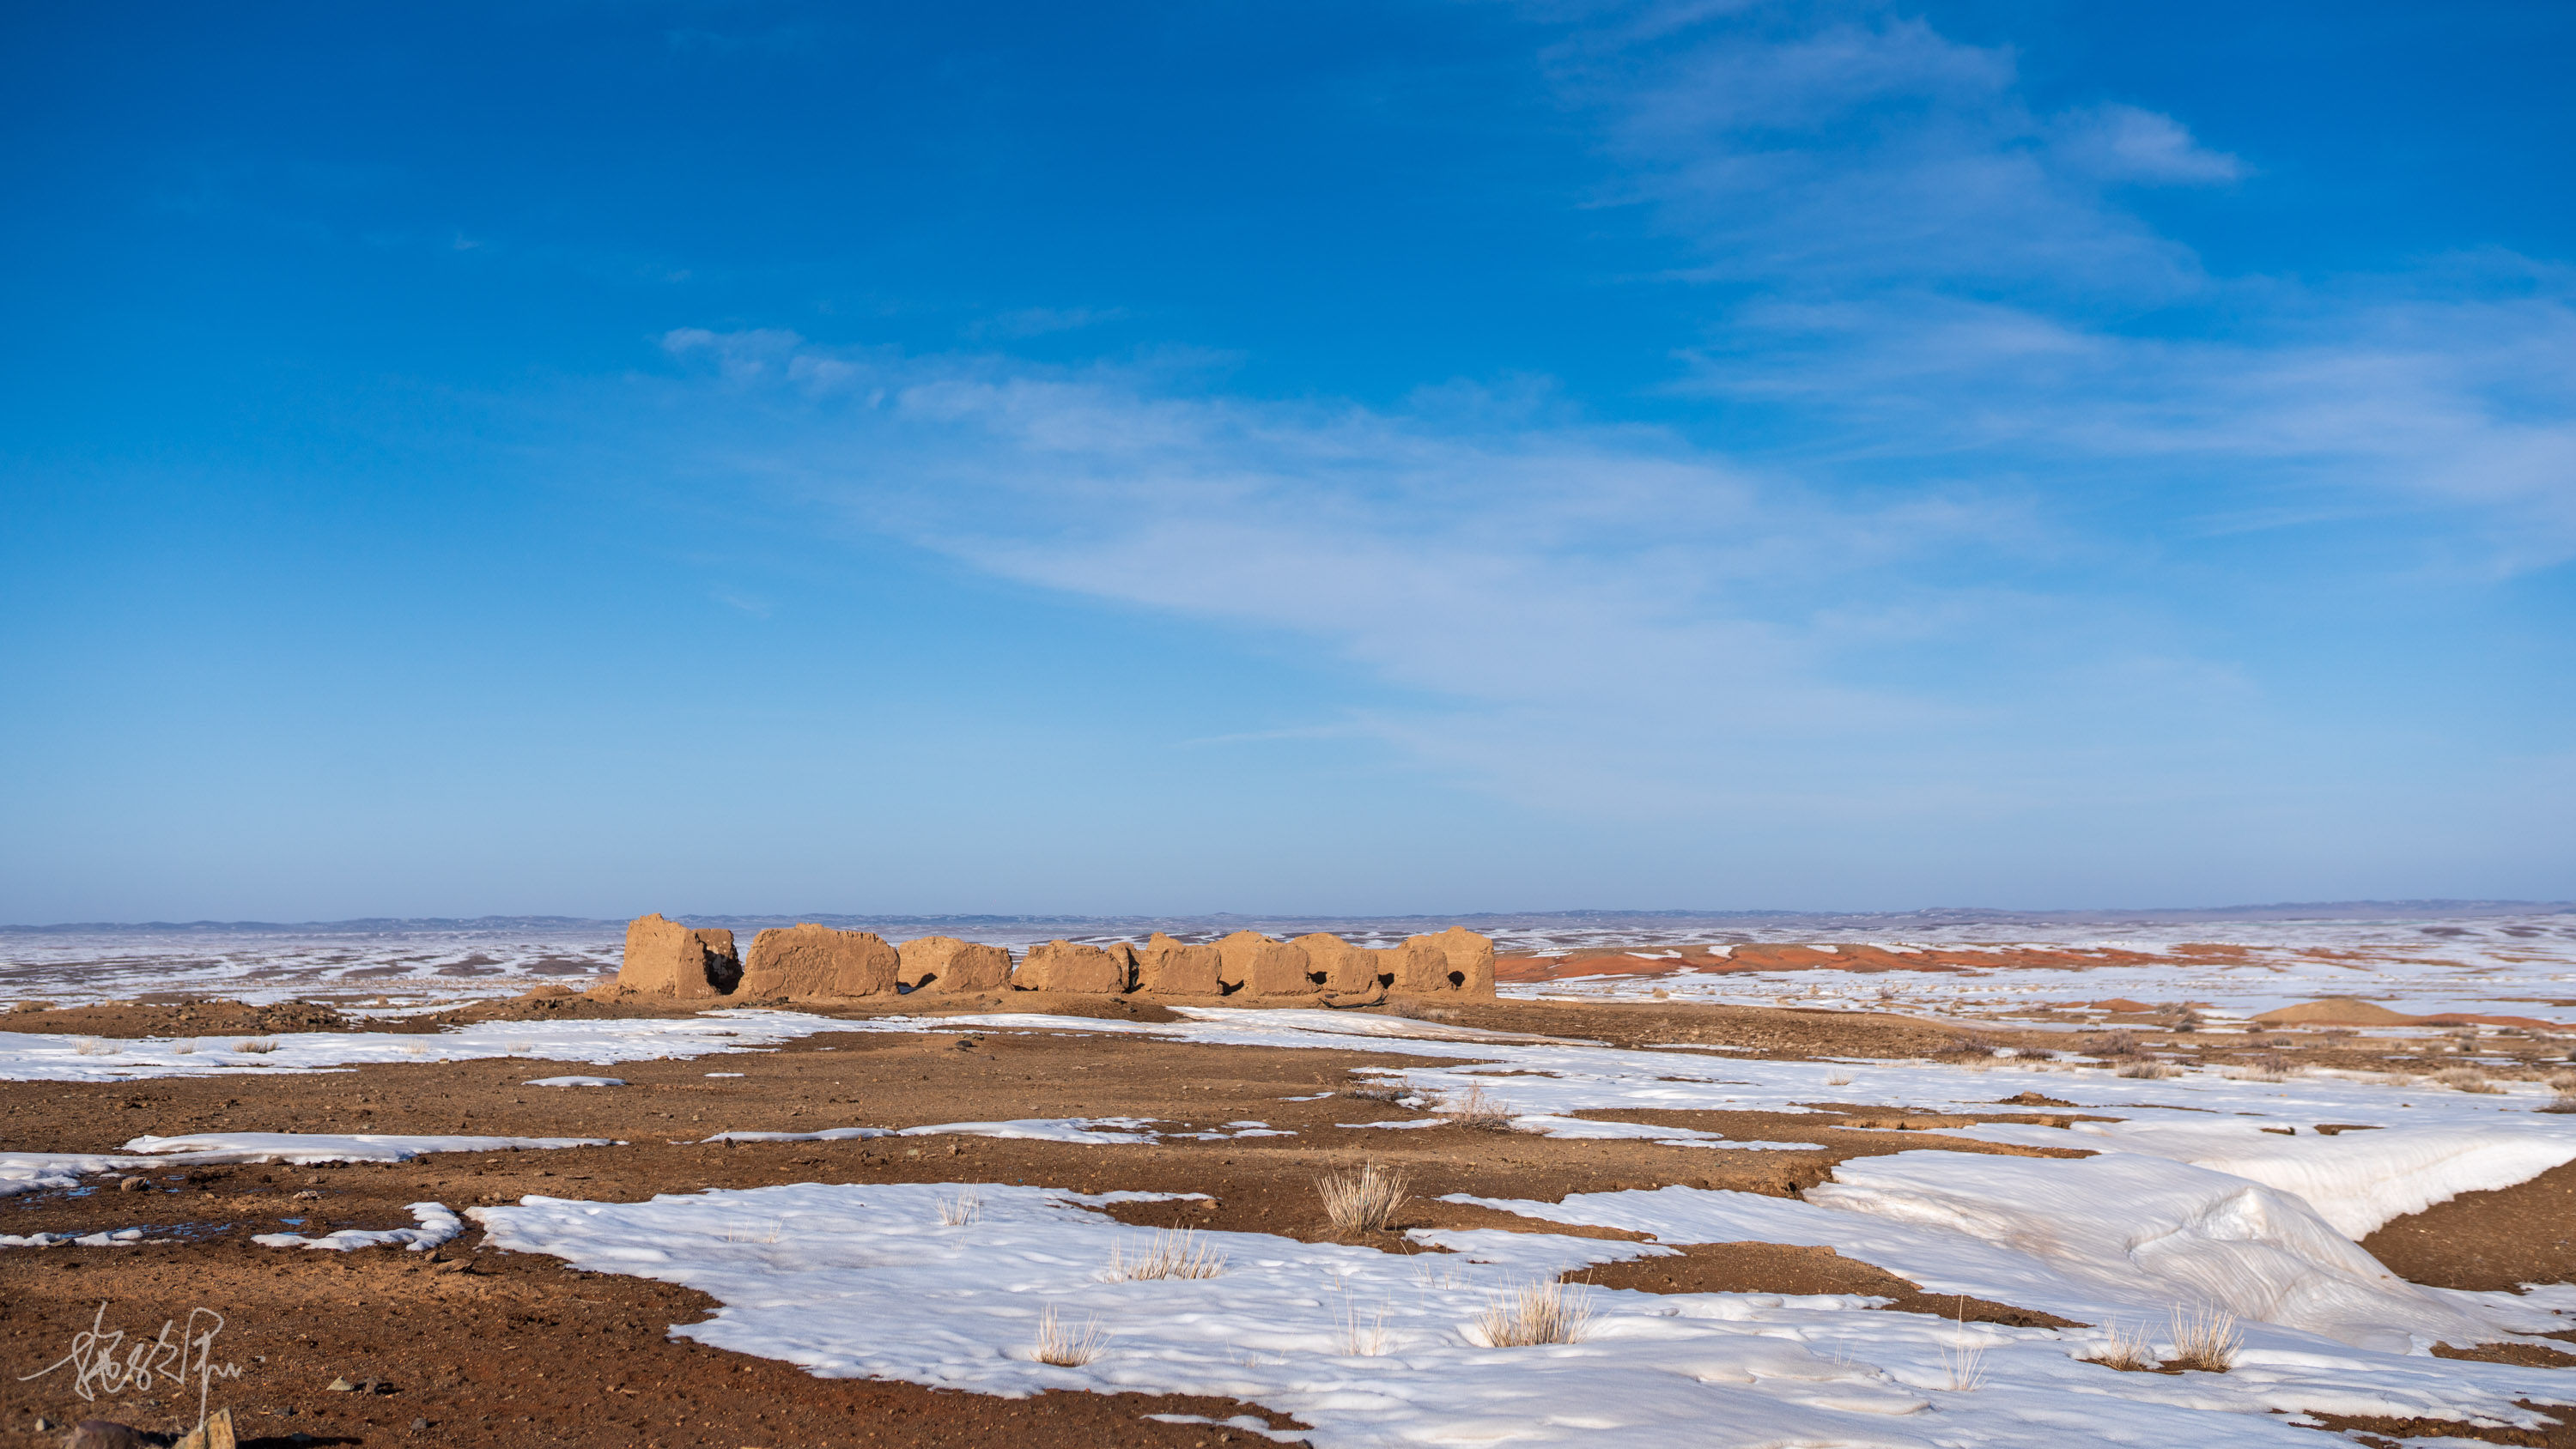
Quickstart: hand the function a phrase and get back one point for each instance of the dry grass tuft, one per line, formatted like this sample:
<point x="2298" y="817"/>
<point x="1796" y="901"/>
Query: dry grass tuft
<point x="1364" y="1201"/>
<point x="1477" y="1108"/>
<point x="2465" y="1079"/>
<point x="2128" y="1351"/>
<point x="1063" y="1347"/>
<point x="257" y="1046"/>
<point x="1173" y="1255"/>
<point x="90" y="1046"/>
<point x="183" y="1048"/>
<point x="964" y="1210"/>
<point x="1544" y="1312"/>
<point x="1363" y="1338"/>
<point x="2206" y="1339"/>
<point x="2146" y="1067"/>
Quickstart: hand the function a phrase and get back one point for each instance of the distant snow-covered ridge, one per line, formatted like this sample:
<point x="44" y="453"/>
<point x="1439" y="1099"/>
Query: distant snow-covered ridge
<point x="421" y="962"/>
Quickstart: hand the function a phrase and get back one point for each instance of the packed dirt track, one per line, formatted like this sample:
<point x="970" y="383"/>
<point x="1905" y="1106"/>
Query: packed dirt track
<point x="1209" y="1132"/>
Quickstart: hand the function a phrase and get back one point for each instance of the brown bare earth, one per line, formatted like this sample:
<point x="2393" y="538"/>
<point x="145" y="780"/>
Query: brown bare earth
<point x="2488" y="1241"/>
<point x="477" y="1346"/>
<point x="1784" y="1269"/>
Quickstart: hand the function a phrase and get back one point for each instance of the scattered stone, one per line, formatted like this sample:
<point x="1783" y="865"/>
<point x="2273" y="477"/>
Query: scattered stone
<point x="1166" y="967"/>
<point x="944" y="963"/>
<point x="1251" y="964"/>
<point x="1067" y="966"/>
<point x="810" y="960"/>
<point x="666" y="958"/>
<point x="215" y="1433"/>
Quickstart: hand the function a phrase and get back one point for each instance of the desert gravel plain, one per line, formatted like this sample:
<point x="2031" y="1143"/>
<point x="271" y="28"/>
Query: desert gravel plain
<point x="701" y="1275"/>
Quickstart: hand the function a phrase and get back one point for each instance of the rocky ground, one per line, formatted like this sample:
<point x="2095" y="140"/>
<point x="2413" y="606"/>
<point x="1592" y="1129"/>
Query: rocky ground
<point x="474" y="1345"/>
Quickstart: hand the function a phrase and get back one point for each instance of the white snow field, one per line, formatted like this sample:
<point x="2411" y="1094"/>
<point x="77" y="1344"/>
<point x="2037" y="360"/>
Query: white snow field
<point x="2207" y="1192"/>
<point x="2508" y="966"/>
<point x="1386" y="1348"/>
<point x="35" y="1171"/>
<point x="29" y="1056"/>
<point x="2211" y="1193"/>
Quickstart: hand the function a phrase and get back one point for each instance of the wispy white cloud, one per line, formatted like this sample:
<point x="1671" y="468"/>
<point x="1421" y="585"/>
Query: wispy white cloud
<point x="1922" y="262"/>
<point x="1852" y="153"/>
<point x="1527" y="580"/>
<point x="1897" y="601"/>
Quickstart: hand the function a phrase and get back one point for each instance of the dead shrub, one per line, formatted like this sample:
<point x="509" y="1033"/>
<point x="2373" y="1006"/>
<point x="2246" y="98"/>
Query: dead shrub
<point x="2177" y="1016"/>
<point x="2117" y="1044"/>
<point x="2206" y="1340"/>
<point x="2564" y="1084"/>
<point x="1971" y="1045"/>
<point x="1477" y="1108"/>
<point x="2465" y="1079"/>
<point x="257" y="1046"/>
<point x="1364" y="1201"/>
<point x="1544" y="1312"/>
<point x="2146" y="1067"/>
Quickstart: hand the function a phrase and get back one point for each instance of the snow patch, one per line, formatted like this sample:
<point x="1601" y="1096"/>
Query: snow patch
<point x="437" y="1225"/>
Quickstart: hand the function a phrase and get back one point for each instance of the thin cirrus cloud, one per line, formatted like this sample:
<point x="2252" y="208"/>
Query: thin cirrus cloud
<point x="1857" y="155"/>
<point x="1922" y="261"/>
<point x="1895" y="592"/>
<point x="1509" y="566"/>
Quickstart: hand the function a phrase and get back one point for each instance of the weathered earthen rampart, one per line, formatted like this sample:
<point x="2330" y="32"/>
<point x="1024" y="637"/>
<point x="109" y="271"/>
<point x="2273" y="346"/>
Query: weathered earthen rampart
<point x="819" y="963"/>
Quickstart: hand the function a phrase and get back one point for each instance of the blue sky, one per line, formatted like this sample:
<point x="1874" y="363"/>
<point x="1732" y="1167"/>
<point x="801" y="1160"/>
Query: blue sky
<point x="752" y="457"/>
